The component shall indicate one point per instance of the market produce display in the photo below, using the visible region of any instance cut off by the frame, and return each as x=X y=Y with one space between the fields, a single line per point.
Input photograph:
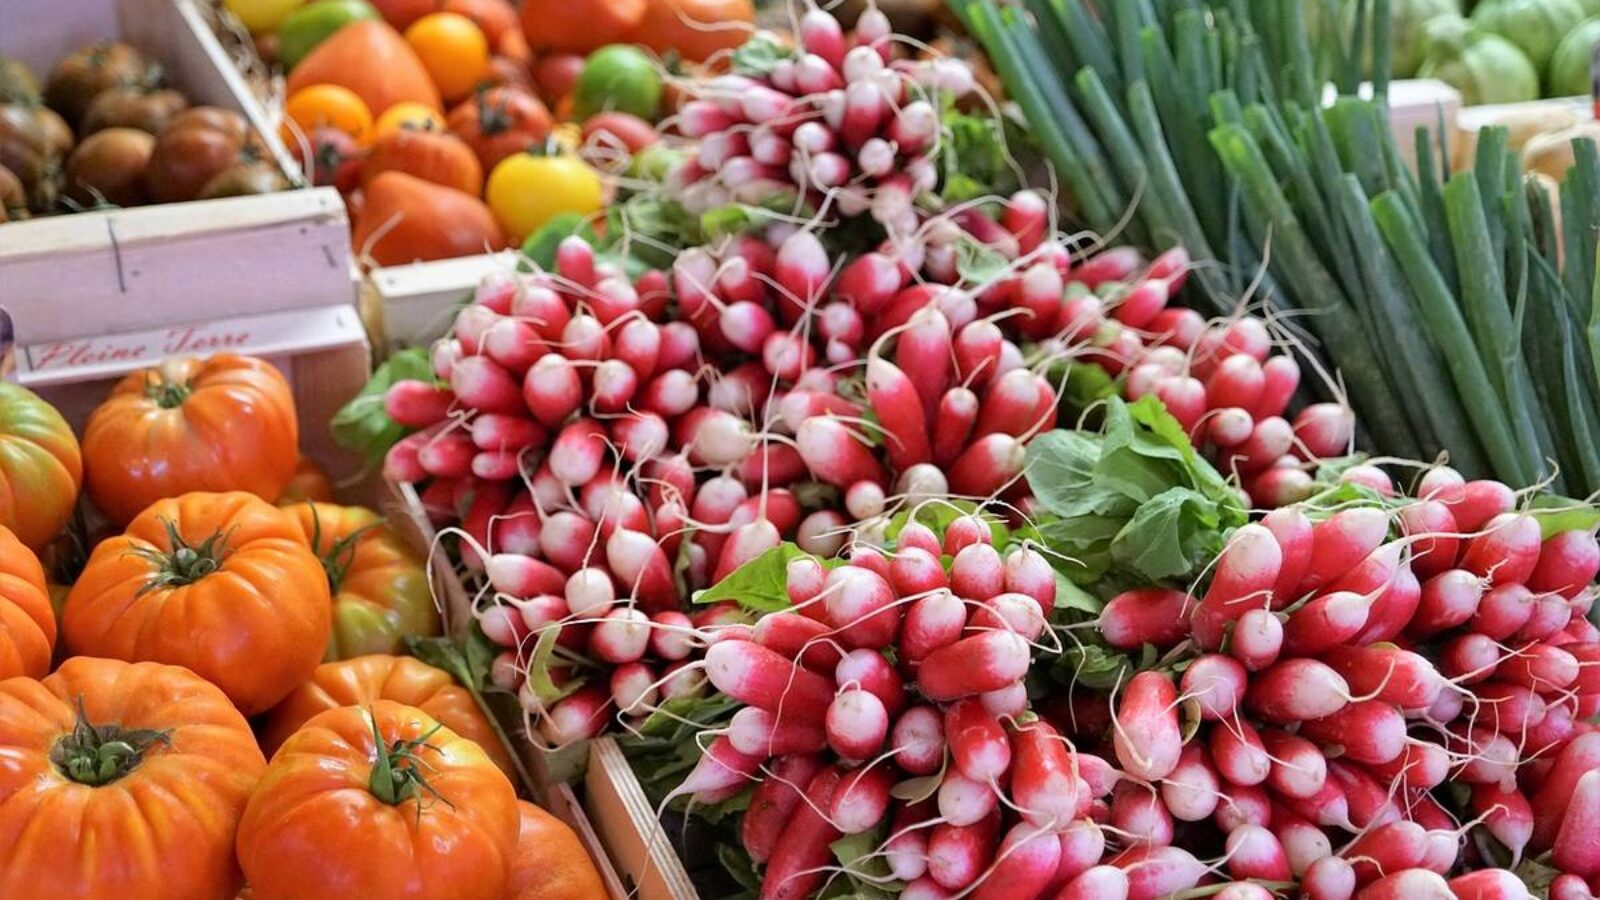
x=1445 y=301
x=132 y=767
x=104 y=130
x=457 y=97
x=885 y=522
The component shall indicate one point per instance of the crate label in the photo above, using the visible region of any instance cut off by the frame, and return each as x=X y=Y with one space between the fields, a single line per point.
x=83 y=359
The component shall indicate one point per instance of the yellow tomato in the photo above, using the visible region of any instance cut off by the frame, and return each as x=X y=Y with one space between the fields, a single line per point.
x=327 y=105
x=261 y=15
x=525 y=191
x=453 y=50
x=407 y=114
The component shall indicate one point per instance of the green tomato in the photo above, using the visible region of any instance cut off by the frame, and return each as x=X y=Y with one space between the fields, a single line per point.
x=1534 y=26
x=302 y=30
x=1484 y=67
x=620 y=77
x=1569 y=68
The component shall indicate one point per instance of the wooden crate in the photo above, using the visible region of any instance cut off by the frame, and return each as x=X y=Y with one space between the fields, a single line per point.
x=412 y=305
x=140 y=268
x=629 y=830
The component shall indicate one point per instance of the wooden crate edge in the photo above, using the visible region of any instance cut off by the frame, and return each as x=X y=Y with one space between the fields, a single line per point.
x=563 y=803
x=629 y=829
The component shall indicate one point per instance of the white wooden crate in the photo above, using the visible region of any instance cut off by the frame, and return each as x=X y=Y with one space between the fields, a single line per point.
x=412 y=305
x=149 y=266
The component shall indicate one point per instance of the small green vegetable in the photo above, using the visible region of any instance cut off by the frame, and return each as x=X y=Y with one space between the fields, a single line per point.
x=1535 y=26
x=1569 y=68
x=619 y=77
x=1483 y=66
x=302 y=30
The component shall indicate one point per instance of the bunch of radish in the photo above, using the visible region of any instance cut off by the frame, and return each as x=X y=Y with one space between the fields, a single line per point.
x=593 y=468
x=843 y=125
x=1375 y=701
x=1341 y=668
x=889 y=698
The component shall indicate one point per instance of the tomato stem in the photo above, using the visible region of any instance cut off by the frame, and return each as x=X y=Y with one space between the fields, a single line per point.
x=399 y=773
x=96 y=755
x=341 y=555
x=166 y=394
x=183 y=563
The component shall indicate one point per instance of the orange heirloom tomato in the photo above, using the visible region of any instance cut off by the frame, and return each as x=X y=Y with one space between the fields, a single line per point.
x=223 y=584
x=121 y=781
x=500 y=122
x=551 y=863
x=435 y=156
x=453 y=49
x=221 y=424
x=41 y=467
x=371 y=59
x=580 y=27
x=380 y=588
x=310 y=483
x=376 y=802
x=413 y=116
x=403 y=679
x=27 y=619
x=326 y=105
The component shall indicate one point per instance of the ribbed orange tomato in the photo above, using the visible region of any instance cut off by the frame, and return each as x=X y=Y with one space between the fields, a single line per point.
x=380 y=801
x=226 y=423
x=27 y=621
x=551 y=863
x=120 y=781
x=223 y=584
x=380 y=588
x=403 y=679
x=41 y=467
x=310 y=483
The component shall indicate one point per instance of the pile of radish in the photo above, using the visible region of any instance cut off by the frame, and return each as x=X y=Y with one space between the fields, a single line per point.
x=1373 y=701
x=611 y=445
x=1365 y=695
x=845 y=124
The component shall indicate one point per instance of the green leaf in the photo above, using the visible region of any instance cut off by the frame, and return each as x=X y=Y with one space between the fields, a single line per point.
x=543 y=685
x=1070 y=596
x=938 y=516
x=1140 y=462
x=866 y=870
x=540 y=247
x=973 y=157
x=1136 y=499
x=362 y=426
x=740 y=867
x=1092 y=666
x=760 y=585
x=1060 y=466
x=1086 y=385
x=916 y=790
x=978 y=263
x=1558 y=514
x=1167 y=537
x=760 y=55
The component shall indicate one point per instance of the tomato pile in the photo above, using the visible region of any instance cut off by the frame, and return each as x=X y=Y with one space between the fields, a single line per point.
x=434 y=117
x=182 y=603
x=105 y=131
